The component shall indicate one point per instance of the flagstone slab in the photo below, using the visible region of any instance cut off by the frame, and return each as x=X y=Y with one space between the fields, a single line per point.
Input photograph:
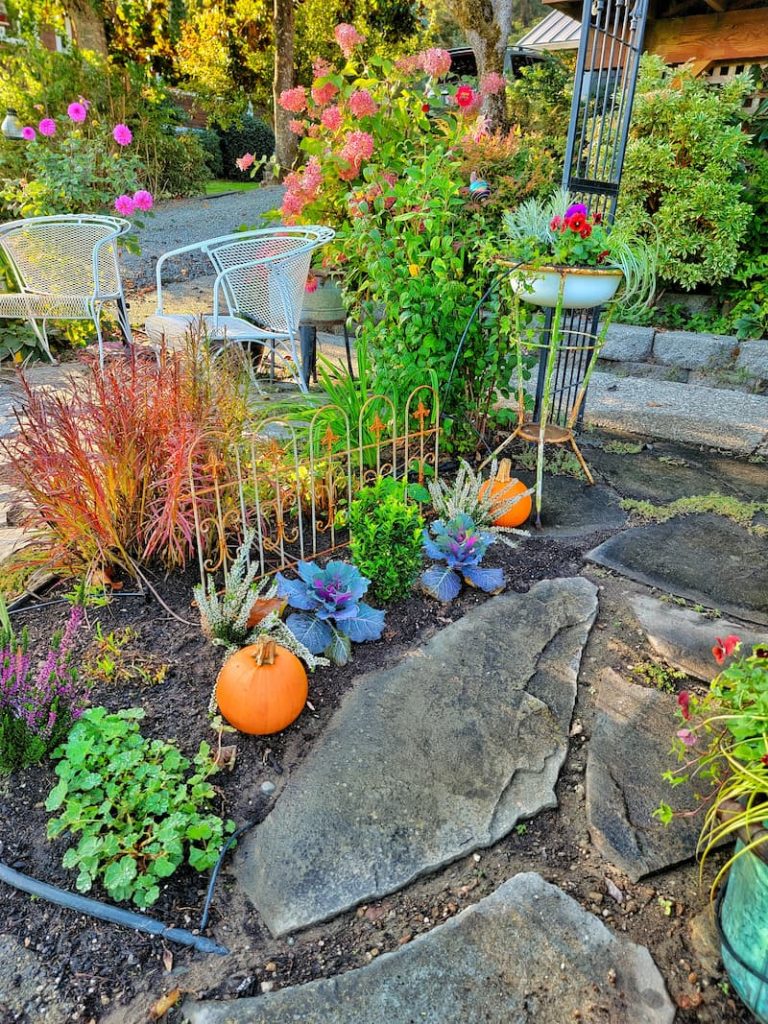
x=527 y=953
x=427 y=760
x=707 y=559
x=572 y=508
x=628 y=751
x=685 y=638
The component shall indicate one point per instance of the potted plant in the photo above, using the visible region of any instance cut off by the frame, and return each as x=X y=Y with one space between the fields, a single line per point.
x=723 y=743
x=565 y=256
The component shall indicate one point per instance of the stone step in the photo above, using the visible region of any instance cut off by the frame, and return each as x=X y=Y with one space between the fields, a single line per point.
x=716 y=417
x=527 y=952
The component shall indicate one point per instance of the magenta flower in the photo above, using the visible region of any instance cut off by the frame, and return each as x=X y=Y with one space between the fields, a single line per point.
x=362 y=104
x=331 y=118
x=28 y=133
x=435 y=62
x=77 y=112
x=122 y=135
x=47 y=127
x=348 y=38
x=143 y=200
x=688 y=738
x=245 y=161
x=576 y=210
x=125 y=205
x=294 y=100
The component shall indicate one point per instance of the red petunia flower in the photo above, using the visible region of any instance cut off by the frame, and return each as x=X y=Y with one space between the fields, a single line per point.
x=683 y=701
x=724 y=648
x=577 y=221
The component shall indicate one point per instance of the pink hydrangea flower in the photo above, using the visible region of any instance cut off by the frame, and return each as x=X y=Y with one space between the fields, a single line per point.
x=358 y=146
x=301 y=187
x=143 y=200
x=77 y=112
x=409 y=64
x=321 y=68
x=348 y=38
x=245 y=161
x=122 y=135
x=362 y=104
x=492 y=84
x=28 y=133
x=294 y=100
x=297 y=127
x=125 y=205
x=47 y=127
x=435 y=62
x=331 y=118
x=323 y=93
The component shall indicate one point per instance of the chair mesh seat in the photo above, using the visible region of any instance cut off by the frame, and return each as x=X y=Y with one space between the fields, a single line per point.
x=57 y=307
x=177 y=327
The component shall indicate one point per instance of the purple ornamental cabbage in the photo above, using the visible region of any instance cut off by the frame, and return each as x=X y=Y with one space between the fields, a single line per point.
x=330 y=614
x=461 y=546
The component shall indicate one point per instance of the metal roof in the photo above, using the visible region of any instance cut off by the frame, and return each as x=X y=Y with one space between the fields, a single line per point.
x=556 y=32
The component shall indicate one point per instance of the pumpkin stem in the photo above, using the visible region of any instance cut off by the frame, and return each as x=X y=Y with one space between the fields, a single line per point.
x=504 y=473
x=266 y=651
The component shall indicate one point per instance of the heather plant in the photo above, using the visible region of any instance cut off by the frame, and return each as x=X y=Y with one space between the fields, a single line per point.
x=39 y=702
x=468 y=494
x=138 y=807
x=385 y=538
x=329 y=614
x=462 y=547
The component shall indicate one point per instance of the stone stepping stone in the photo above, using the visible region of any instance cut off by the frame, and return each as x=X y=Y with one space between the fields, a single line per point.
x=426 y=761
x=527 y=952
x=628 y=751
x=573 y=508
x=706 y=559
x=685 y=638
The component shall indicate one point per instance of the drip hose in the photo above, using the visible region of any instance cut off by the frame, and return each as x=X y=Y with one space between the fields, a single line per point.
x=215 y=872
x=106 y=912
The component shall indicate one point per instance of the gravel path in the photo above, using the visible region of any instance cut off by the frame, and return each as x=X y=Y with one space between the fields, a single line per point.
x=184 y=221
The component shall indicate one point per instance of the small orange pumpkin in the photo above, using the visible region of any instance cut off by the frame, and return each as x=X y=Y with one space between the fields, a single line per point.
x=262 y=688
x=503 y=487
x=262 y=607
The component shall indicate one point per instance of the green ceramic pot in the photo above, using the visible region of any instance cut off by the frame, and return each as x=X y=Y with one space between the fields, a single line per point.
x=743 y=920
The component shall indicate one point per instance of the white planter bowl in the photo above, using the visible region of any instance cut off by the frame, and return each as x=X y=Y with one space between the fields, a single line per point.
x=584 y=287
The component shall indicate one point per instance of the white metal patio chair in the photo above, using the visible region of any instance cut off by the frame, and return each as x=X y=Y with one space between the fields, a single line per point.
x=65 y=268
x=260 y=280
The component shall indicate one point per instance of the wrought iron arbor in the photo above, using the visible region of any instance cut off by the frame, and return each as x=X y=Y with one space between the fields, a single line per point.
x=607 y=66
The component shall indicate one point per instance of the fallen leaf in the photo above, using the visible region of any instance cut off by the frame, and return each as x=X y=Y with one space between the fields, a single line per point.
x=167 y=959
x=164 y=1004
x=614 y=891
x=225 y=757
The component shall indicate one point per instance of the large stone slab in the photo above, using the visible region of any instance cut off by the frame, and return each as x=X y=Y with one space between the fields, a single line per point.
x=684 y=637
x=707 y=559
x=527 y=954
x=27 y=991
x=572 y=508
x=694 y=351
x=628 y=752
x=426 y=761
x=626 y=343
x=753 y=358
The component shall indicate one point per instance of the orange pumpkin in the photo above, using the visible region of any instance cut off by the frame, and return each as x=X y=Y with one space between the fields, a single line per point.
x=262 y=688
x=503 y=487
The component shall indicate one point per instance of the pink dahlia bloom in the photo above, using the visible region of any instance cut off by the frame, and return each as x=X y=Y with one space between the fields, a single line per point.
x=28 y=133
x=435 y=62
x=362 y=104
x=143 y=200
x=125 y=205
x=294 y=100
x=331 y=118
x=348 y=38
x=322 y=94
x=297 y=127
x=245 y=161
x=77 y=112
x=492 y=84
x=47 y=127
x=122 y=135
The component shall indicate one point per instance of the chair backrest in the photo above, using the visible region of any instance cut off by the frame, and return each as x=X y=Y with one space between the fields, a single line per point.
x=60 y=255
x=267 y=272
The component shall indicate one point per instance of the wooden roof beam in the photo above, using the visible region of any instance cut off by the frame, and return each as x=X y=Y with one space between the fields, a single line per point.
x=734 y=35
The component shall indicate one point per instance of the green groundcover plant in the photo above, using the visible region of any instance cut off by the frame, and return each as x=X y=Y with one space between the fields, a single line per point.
x=138 y=807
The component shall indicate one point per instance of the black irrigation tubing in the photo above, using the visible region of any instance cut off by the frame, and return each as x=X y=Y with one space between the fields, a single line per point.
x=106 y=912
x=217 y=867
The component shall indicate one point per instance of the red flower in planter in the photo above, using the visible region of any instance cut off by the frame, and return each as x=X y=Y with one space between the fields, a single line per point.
x=724 y=648
x=586 y=231
x=764 y=759
x=683 y=701
x=577 y=221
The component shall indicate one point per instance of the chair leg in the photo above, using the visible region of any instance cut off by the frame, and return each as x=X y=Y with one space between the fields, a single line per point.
x=42 y=336
x=97 y=322
x=124 y=322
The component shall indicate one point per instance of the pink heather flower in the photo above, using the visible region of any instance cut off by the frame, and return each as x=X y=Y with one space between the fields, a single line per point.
x=47 y=127
x=122 y=135
x=348 y=38
x=297 y=127
x=331 y=118
x=28 y=133
x=77 y=112
x=294 y=100
x=435 y=62
x=245 y=161
x=688 y=738
x=125 y=205
x=143 y=200
x=492 y=84
x=311 y=285
x=323 y=94
x=362 y=104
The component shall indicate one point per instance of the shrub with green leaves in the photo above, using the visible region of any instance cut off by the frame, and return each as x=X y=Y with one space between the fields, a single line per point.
x=250 y=135
x=385 y=533
x=139 y=807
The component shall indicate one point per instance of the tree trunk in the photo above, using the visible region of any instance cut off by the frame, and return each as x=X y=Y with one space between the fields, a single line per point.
x=487 y=24
x=286 y=143
x=88 y=30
